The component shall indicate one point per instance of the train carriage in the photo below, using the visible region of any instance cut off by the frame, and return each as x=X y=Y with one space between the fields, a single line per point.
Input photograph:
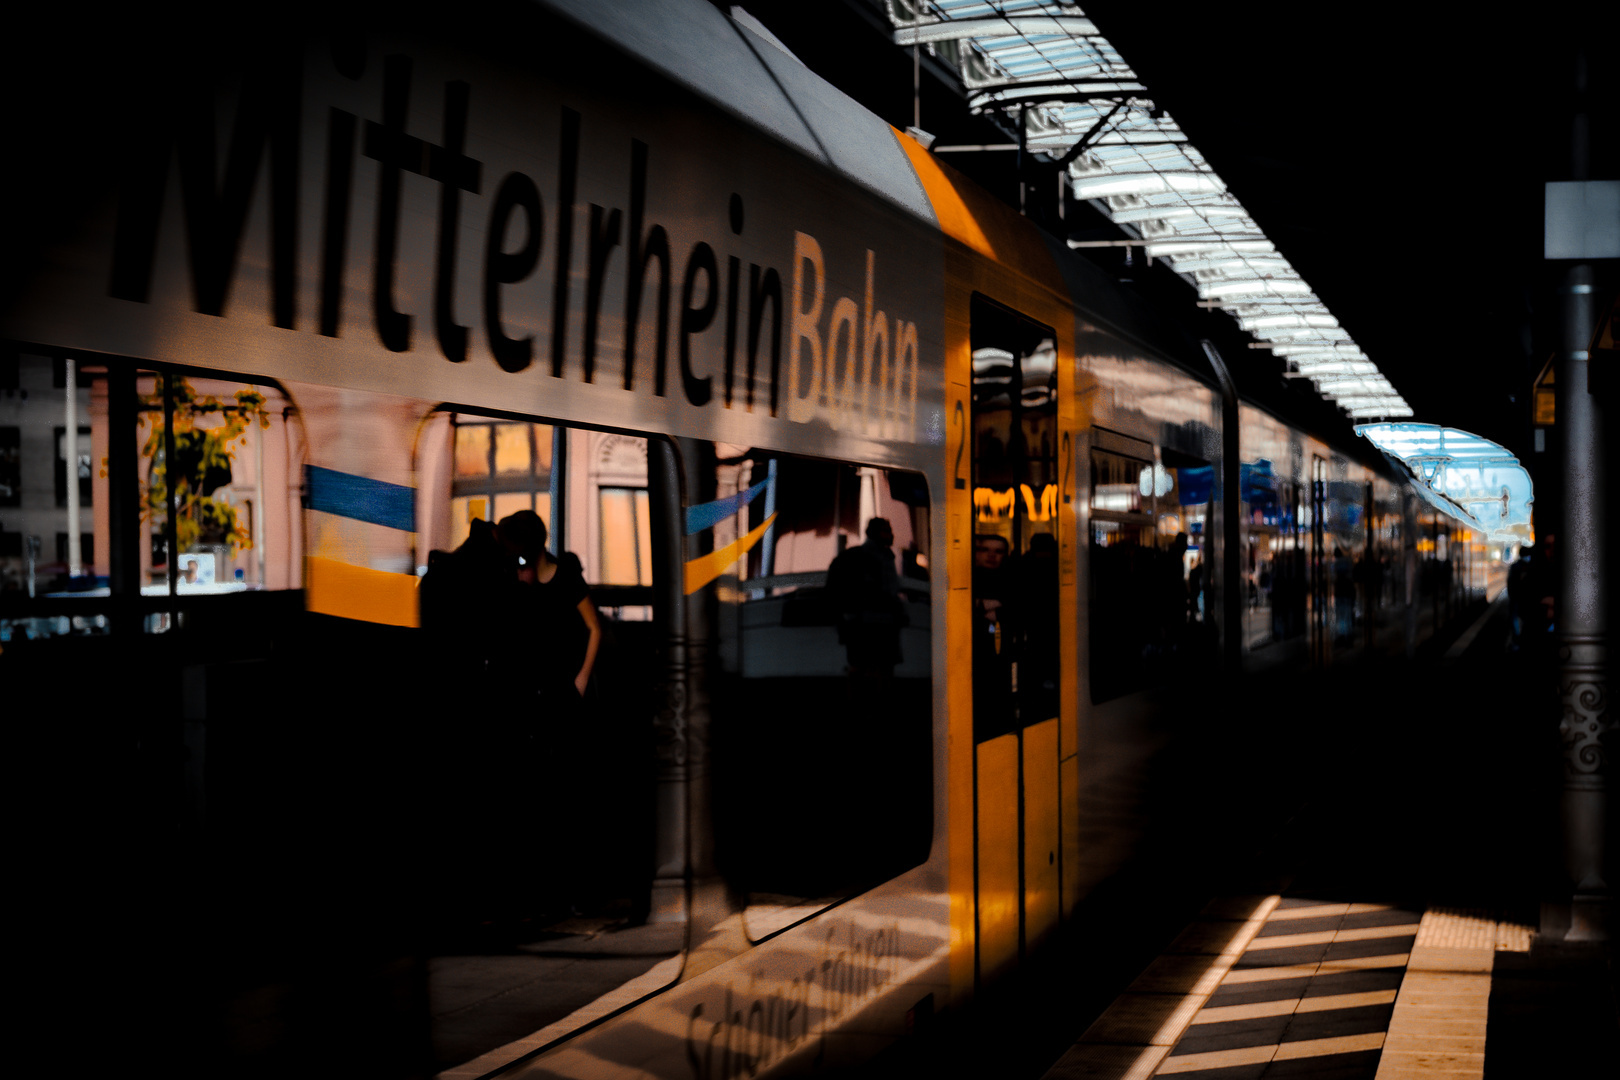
x=318 y=312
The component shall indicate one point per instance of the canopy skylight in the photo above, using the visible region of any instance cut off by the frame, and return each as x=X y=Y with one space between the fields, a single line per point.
x=1462 y=474
x=1043 y=63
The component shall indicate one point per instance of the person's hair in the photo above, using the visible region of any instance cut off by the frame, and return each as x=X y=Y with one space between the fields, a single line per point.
x=1006 y=545
x=524 y=531
x=882 y=523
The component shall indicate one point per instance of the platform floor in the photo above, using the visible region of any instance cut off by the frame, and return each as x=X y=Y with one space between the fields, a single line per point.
x=1353 y=881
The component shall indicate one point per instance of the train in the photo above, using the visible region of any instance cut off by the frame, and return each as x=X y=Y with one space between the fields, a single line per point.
x=308 y=300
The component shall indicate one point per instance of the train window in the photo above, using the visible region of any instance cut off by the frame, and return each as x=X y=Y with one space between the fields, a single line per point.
x=815 y=575
x=544 y=795
x=1149 y=518
x=235 y=484
x=1015 y=542
x=157 y=463
x=1275 y=584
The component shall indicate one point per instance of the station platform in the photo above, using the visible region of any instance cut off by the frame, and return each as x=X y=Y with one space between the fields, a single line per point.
x=1354 y=875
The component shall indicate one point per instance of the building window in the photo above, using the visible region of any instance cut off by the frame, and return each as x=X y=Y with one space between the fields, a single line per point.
x=501 y=467
x=82 y=469
x=10 y=466
x=626 y=536
x=87 y=549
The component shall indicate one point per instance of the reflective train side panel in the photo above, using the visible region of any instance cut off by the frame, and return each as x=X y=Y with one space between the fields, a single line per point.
x=633 y=268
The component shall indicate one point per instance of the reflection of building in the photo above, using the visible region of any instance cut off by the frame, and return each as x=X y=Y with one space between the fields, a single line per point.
x=610 y=527
x=238 y=507
x=34 y=471
x=482 y=468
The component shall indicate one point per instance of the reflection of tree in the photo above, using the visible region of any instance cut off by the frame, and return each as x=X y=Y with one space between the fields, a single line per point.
x=203 y=457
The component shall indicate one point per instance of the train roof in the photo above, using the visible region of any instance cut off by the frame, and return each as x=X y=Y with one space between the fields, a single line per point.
x=735 y=64
x=738 y=66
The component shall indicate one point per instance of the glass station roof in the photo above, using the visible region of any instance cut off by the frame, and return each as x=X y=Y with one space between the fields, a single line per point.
x=1462 y=474
x=1043 y=62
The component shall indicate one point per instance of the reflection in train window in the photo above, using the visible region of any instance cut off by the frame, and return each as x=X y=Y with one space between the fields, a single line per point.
x=1149 y=535
x=822 y=703
x=1015 y=507
x=625 y=538
x=226 y=506
x=500 y=468
x=544 y=796
x=1273 y=569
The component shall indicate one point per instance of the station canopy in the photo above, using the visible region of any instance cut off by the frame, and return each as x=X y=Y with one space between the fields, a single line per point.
x=1464 y=475
x=1042 y=64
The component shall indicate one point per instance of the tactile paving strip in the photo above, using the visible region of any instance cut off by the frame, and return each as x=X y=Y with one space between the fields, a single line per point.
x=1312 y=994
x=1269 y=987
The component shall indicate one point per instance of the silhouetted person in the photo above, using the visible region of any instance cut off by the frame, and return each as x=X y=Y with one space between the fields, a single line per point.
x=866 y=587
x=481 y=750
x=463 y=597
x=553 y=637
x=1037 y=573
x=1344 y=594
x=1173 y=595
x=994 y=637
x=1537 y=597
x=556 y=619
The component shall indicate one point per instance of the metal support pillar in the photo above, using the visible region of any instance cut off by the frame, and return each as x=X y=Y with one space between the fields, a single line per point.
x=670 y=861
x=1023 y=151
x=124 y=526
x=1231 y=570
x=1587 y=724
x=1409 y=571
x=70 y=440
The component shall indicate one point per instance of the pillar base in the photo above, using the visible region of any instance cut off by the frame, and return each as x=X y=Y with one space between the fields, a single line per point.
x=668 y=901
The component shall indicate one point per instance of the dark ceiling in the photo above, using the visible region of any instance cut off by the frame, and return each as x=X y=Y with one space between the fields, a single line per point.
x=1396 y=156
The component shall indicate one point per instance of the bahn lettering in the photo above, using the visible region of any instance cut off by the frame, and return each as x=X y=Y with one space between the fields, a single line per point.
x=742 y=1041
x=849 y=363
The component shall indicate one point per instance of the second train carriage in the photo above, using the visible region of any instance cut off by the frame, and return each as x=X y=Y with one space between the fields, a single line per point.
x=634 y=268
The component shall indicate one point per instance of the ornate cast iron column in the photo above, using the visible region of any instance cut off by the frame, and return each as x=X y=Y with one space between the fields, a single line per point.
x=1587 y=726
x=1588 y=721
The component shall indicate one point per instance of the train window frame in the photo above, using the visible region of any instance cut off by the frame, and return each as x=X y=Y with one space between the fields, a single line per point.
x=1015 y=472
x=750 y=769
x=626 y=713
x=562 y=528
x=114 y=595
x=1151 y=632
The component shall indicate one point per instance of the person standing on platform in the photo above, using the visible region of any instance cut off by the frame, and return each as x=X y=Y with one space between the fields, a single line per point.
x=554 y=634
x=555 y=612
x=866 y=587
x=995 y=639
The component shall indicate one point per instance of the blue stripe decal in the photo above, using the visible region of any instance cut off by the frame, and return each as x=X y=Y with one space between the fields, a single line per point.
x=392 y=506
x=707 y=515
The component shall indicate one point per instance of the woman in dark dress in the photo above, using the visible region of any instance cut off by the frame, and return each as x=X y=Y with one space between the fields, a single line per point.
x=554 y=637
x=556 y=619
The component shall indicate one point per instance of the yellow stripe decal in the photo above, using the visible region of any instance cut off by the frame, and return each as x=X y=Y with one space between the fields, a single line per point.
x=705 y=568
x=359 y=592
